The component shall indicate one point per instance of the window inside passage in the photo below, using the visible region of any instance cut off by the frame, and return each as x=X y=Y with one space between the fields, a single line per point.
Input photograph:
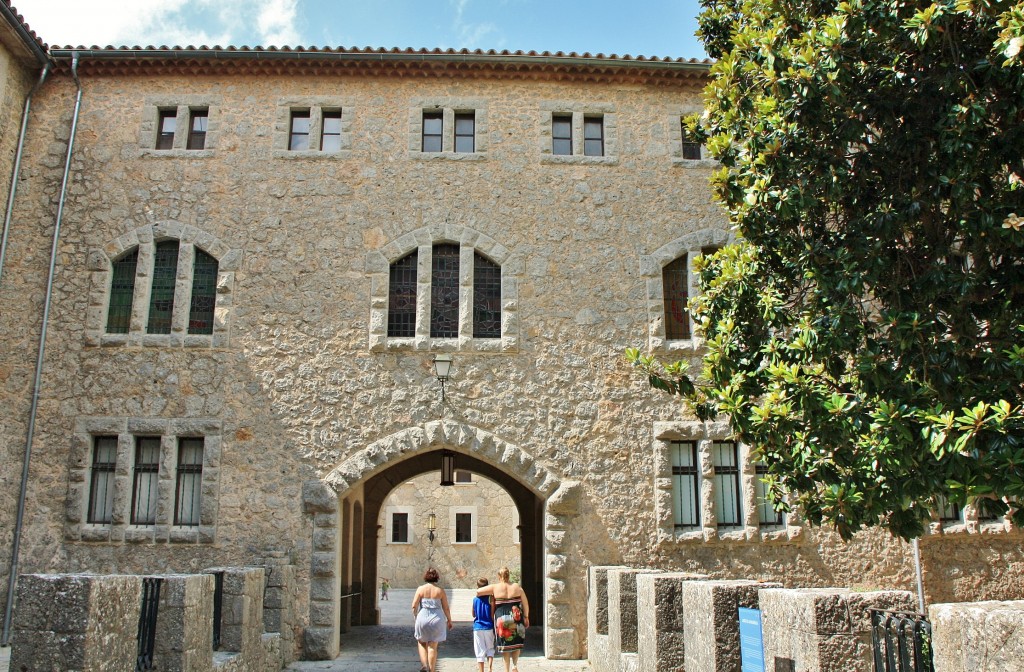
x=188 y=486
x=144 y=481
x=561 y=134
x=593 y=136
x=463 y=528
x=444 y=291
x=675 y=285
x=463 y=476
x=685 y=484
x=399 y=528
x=101 y=482
x=725 y=458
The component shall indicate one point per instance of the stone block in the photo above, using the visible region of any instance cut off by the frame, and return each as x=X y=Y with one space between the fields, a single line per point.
x=660 y=632
x=597 y=618
x=320 y=643
x=318 y=497
x=711 y=622
x=978 y=636
x=561 y=643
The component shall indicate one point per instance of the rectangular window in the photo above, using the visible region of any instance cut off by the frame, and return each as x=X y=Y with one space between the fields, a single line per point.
x=691 y=149
x=330 y=137
x=675 y=285
x=766 y=513
x=399 y=528
x=197 y=129
x=188 y=488
x=433 y=126
x=101 y=485
x=685 y=484
x=593 y=136
x=463 y=528
x=465 y=132
x=298 y=137
x=144 y=483
x=561 y=134
x=949 y=512
x=463 y=477
x=725 y=457
x=167 y=123
x=444 y=292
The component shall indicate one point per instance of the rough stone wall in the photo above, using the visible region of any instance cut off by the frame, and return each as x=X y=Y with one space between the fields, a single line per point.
x=978 y=636
x=293 y=375
x=495 y=544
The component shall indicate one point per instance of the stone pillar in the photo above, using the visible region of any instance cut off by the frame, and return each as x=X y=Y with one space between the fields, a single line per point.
x=711 y=622
x=184 y=624
x=320 y=638
x=597 y=619
x=562 y=638
x=622 y=617
x=660 y=633
x=279 y=603
x=823 y=630
x=241 y=623
x=76 y=622
x=977 y=636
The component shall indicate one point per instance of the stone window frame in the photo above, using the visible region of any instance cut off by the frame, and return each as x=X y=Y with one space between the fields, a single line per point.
x=316 y=105
x=969 y=523
x=704 y=434
x=474 y=518
x=378 y=264
x=674 y=117
x=120 y=530
x=579 y=111
x=448 y=107
x=410 y=511
x=471 y=481
x=100 y=266
x=651 y=267
x=184 y=107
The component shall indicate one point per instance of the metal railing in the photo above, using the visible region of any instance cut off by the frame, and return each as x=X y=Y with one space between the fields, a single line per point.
x=901 y=641
x=218 y=606
x=147 y=623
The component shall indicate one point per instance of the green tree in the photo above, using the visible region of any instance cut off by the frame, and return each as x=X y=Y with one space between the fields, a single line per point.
x=865 y=334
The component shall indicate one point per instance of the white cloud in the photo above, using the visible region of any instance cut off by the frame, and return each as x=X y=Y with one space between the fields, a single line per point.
x=162 y=22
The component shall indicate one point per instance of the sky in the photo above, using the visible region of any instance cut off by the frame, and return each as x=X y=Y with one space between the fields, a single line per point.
x=643 y=28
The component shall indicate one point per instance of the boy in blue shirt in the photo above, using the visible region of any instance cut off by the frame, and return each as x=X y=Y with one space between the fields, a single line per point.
x=483 y=629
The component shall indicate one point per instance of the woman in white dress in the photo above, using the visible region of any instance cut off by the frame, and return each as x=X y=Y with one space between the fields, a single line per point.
x=433 y=619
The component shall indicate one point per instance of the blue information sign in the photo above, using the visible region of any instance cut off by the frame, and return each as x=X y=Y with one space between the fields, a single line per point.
x=751 y=642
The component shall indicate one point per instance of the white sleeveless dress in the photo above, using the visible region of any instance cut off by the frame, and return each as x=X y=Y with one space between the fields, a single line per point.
x=431 y=625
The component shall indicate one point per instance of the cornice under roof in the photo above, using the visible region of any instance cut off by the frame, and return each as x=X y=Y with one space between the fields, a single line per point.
x=25 y=36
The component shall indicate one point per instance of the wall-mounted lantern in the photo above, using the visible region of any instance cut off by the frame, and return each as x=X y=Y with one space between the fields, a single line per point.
x=431 y=526
x=442 y=370
x=447 y=467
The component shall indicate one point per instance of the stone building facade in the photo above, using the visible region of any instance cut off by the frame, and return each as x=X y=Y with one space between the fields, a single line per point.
x=260 y=252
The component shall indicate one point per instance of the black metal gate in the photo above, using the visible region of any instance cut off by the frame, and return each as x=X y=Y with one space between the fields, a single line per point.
x=147 y=622
x=902 y=641
x=218 y=606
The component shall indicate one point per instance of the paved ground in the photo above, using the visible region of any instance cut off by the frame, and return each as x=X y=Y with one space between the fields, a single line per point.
x=390 y=647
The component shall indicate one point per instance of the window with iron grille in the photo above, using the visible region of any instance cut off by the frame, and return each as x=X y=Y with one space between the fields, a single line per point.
x=122 y=293
x=144 y=482
x=725 y=458
x=486 y=297
x=198 y=122
x=675 y=283
x=167 y=122
x=949 y=512
x=561 y=134
x=188 y=486
x=204 y=293
x=766 y=513
x=161 y=299
x=444 y=291
x=593 y=136
x=330 y=136
x=685 y=484
x=691 y=148
x=463 y=528
x=433 y=131
x=399 y=528
x=101 y=483
x=298 y=136
x=465 y=132
x=402 y=297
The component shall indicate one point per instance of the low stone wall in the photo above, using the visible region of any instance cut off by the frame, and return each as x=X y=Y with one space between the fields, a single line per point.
x=661 y=643
x=978 y=636
x=90 y=623
x=710 y=622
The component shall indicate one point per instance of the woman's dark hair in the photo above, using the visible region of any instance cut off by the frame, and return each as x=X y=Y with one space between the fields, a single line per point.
x=431 y=575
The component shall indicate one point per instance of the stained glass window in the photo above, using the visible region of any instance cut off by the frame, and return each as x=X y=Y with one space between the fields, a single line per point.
x=204 y=294
x=122 y=293
x=675 y=283
x=402 y=297
x=161 y=300
x=444 y=292
x=486 y=298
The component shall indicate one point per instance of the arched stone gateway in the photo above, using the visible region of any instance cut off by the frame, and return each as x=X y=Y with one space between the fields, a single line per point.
x=344 y=561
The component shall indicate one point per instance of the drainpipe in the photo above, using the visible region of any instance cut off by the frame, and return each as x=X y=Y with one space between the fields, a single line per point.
x=13 y=578
x=17 y=166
